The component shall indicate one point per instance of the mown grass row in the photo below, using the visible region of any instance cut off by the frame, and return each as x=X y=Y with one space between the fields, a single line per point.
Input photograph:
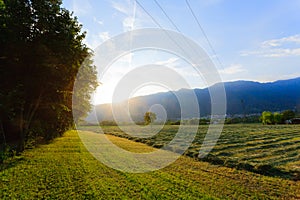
x=269 y=150
x=64 y=169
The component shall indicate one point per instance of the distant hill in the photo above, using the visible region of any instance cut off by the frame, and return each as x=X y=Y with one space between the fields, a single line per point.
x=243 y=97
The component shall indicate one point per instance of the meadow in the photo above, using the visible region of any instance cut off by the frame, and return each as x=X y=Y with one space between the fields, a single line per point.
x=64 y=169
x=272 y=150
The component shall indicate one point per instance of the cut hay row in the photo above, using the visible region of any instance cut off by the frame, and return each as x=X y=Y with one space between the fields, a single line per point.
x=254 y=146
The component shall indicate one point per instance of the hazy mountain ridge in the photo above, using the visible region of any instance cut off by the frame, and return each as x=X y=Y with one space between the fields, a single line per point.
x=243 y=97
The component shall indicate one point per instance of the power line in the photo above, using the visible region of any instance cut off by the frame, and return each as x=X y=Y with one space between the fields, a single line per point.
x=167 y=16
x=203 y=32
x=158 y=24
x=172 y=22
x=198 y=23
x=153 y=19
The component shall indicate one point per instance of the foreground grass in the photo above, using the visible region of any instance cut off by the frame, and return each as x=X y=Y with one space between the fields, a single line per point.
x=64 y=169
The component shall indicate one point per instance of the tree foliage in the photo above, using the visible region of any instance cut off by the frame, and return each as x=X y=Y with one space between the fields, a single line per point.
x=277 y=118
x=149 y=118
x=267 y=117
x=41 y=51
x=288 y=114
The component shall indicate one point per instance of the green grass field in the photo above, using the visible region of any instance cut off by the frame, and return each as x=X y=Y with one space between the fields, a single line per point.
x=269 y=150
x=64 y=169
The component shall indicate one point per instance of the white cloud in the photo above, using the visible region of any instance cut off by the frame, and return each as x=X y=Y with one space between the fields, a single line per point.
x=170 y=61
x=282 y=47
x=131 y=16
x=104 y=36
x=278 y=52
x=283 y=52
x=271 y=78
x=100 y=22
x=120 y=7
x=232 y=69
x=127 y=8
x=128 y=23
x=281 y=41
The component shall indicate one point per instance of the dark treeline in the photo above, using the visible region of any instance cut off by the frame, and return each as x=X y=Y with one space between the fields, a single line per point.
x=193 y=121
x=41 y=51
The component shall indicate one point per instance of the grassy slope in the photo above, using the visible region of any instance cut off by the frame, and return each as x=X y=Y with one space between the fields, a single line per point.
x=64 y=169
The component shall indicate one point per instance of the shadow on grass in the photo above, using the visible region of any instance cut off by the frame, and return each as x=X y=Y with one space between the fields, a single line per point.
x=11 y=162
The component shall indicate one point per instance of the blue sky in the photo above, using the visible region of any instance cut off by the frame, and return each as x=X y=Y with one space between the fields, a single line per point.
x=254 y=40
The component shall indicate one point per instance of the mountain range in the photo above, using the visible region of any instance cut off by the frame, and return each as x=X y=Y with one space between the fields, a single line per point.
x=243 y=97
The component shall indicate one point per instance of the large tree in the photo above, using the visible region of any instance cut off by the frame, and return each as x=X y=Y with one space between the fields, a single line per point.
x=288 y=114
x=41 y=51
x=149 y=118
x=267 y=117
x=277 y=118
